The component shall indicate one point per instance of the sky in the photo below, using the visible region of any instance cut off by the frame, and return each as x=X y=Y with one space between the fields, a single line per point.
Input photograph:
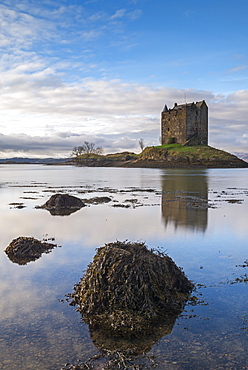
x=102 y=71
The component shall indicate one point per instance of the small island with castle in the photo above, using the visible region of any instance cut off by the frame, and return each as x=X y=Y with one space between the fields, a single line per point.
x=184 y=144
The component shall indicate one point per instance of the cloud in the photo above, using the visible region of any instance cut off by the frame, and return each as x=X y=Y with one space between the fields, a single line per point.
x=118 y=14
x=60 y=144
x=22 y=29
x=91 y=35
x=121 y=13
x=50 y=102
x=136 y=14
x=237 y=68
x=41 y=113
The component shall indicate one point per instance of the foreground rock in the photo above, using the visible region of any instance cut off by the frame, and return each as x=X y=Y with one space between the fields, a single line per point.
x=25 y=249
x=128 y=289
x=63 y=204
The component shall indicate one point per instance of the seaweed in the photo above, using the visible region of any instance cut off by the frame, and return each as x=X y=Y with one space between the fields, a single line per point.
x=127 y=288
x=26 y=249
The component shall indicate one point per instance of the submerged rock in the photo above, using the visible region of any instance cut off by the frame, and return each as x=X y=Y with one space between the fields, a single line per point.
x=25 y=249
x=97 y=200
x=63 y=204
x=128 y=289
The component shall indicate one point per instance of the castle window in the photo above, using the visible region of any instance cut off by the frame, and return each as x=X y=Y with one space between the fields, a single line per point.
x=168 y=129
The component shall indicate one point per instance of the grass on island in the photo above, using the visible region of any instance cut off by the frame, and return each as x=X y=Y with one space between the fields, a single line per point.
x=201 y=151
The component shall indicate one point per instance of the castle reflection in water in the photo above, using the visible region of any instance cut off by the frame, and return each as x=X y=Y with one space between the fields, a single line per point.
x=185 y=199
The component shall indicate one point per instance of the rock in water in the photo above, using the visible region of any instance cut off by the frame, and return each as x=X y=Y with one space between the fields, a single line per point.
x=128 y=287
x=25 y=249
x=63 y=204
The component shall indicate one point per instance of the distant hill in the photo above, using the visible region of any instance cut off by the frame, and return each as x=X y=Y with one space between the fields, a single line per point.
x=243 y=156
x=18 y=160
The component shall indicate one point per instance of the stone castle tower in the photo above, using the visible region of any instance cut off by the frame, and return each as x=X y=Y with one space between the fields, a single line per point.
x=185 y=124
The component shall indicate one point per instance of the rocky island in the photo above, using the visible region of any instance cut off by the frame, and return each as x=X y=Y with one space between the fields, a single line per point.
x=164 y=156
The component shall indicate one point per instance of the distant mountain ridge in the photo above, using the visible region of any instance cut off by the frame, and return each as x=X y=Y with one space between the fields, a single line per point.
x=243 y=156
x=19 y=160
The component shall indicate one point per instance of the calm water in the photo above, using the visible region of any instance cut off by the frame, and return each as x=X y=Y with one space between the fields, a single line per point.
x=199 y=217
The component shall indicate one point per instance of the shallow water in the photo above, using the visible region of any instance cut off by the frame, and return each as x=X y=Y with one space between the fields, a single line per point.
x=199 y=217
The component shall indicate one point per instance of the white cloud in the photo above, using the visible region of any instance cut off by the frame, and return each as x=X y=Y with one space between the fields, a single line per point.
x=35 y=102
x=60 y=144
x=44 y=94
x=237 y=68
x=118 y=14
x=91 y=35
x=136 y=14
x=22 y=29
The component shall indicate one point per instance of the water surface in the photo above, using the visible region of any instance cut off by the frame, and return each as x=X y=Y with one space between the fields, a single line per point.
x=199 y=217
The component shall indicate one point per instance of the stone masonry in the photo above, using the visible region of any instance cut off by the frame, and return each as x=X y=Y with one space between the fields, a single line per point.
x=185 y=124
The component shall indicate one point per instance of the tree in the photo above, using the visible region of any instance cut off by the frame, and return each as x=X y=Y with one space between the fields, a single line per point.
x=86 y=148
x=141 y=144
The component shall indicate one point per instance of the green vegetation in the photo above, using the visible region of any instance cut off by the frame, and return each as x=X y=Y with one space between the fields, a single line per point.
x=200 y=151
x=168 y=146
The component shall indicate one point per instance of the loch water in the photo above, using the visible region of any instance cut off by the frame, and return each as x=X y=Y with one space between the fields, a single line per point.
x=198 y=217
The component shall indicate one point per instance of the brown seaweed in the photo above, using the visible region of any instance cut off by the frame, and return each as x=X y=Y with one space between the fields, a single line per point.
x=26 y=249
x=127 y=288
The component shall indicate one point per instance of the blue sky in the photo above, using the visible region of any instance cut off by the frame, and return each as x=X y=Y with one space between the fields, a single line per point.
x=102 y=71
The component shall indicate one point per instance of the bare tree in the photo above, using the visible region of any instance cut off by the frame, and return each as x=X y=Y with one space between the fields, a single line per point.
x=86 y=148
x=141 y=144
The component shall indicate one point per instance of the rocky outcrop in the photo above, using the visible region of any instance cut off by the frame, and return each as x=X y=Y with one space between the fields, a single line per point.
x=26 y=249
x=189 y=157
x=63 y=204
x=128 y=288
x=172 y=156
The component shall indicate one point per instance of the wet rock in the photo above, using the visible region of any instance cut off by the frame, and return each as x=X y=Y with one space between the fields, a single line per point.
x=128 y=289
x=97 y=200
x=17 y=205
x=63 y=204
x=25 y=249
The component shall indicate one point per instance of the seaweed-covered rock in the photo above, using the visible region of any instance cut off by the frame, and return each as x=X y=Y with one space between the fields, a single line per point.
x=128 y=287
x=63 y=204
x=97 y=200
x=25 y=249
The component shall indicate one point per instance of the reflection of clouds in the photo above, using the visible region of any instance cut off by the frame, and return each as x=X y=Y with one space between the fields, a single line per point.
x=33 y=325
x=19 y=297
x=230 y=219
x=91 y=226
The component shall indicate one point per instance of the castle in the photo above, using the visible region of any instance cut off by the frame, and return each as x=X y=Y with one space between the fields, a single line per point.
x=185 y=124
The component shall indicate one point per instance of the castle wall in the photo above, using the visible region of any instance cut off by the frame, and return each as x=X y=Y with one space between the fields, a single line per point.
x=192 y=121
x=184 y=122
x=203 y=131
x=173 y=125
